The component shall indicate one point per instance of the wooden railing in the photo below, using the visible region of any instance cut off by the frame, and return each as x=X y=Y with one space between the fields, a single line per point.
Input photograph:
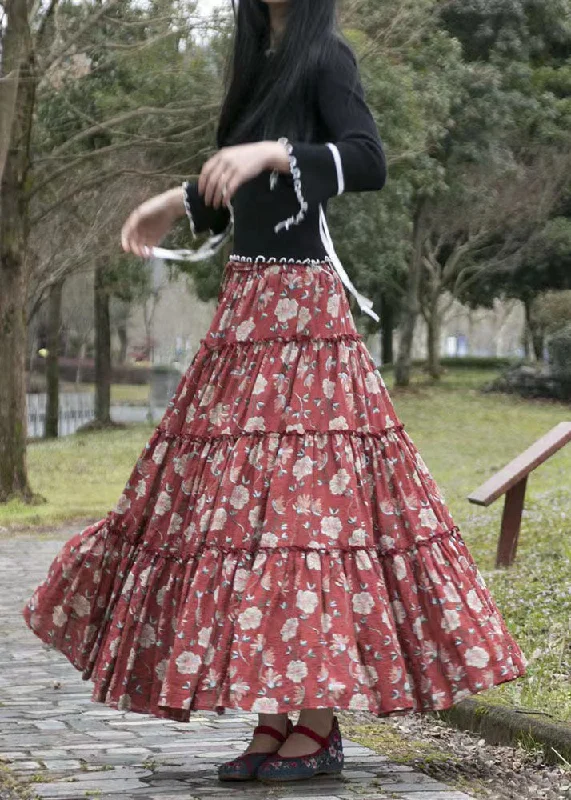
x=512 y=481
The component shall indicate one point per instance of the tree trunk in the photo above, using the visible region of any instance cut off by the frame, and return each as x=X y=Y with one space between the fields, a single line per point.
x=52 y=361
x=387 y=327
x=434 y=328
x=82 y=352
x=535 y=335
x=13 y=415
x=527 y=329
x=411 y=306
x=102 y=348
x=16 y=55
x=538 y=341
x=123 y=341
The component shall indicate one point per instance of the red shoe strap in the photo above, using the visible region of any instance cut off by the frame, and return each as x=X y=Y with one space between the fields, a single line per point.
x=322 y=740
x=270 y=731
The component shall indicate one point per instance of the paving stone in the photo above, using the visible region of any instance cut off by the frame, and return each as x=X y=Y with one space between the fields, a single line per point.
x=37 y=740
x=129 y=751
x=322 y=797
x=169 y=786
x=142 y=723
x=110 y=734
x=390 y=767
x=50 y=725
x=87 y=747
x=384 y=777
x=26 y=766
x=62 y=764
x=115 y=774
x=448 y=795
x=72 y=791
x=419 y=788
x=104 y=713
x=168 y=797
x=317 y=787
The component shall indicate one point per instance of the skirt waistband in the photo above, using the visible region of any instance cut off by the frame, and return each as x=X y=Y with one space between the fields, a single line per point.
x=246 y=263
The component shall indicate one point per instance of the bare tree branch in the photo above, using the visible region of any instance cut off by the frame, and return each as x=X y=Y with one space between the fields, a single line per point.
x=39 y=38
x=101 y=178
x=121 y=118
x=92 y=20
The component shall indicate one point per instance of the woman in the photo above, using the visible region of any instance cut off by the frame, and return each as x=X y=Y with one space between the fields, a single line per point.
x=280 y=545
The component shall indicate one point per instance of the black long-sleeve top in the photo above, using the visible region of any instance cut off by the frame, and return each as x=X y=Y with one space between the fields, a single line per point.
x=283 y=216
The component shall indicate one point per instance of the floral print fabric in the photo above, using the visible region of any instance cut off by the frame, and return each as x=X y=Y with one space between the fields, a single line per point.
x=280 y=542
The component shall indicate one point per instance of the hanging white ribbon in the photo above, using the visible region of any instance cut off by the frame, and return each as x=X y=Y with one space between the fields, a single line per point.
x=365 y=304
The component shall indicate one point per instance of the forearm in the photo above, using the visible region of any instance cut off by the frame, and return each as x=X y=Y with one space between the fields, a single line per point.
x=277 y=157
x=174 y=201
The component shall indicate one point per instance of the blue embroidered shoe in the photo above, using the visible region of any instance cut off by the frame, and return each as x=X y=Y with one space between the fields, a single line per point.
x=245 y=767
x=328 y=760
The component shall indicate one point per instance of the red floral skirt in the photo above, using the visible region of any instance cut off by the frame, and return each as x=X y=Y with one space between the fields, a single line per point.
x=280 y=542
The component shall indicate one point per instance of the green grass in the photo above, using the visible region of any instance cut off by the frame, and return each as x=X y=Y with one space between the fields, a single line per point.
x=464 y=437
x=81 y=476
x=121 y=393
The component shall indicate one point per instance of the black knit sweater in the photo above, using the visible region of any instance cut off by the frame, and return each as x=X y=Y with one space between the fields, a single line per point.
x=279 y=216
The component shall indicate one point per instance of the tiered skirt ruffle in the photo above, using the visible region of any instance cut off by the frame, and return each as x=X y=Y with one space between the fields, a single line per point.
x=280 y=542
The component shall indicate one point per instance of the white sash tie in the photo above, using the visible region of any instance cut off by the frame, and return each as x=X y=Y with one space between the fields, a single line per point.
x=365 y=304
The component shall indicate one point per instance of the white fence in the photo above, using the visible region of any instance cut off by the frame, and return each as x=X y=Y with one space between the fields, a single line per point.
x=75 y=409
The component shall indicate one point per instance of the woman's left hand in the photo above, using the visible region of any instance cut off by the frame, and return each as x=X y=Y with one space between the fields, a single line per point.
x=232 y=166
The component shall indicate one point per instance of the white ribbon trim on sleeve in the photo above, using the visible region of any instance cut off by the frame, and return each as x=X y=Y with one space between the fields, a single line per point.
x=339 y=166
x=296 y=175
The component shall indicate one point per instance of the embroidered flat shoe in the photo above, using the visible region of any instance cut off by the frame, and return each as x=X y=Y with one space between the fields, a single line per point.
x=328 y=760
x=245 y=767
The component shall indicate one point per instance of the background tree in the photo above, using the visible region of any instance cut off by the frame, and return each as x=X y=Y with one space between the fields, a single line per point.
x=63 y=157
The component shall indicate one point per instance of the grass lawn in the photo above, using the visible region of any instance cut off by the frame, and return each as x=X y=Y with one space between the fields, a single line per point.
x=121 y=393
x=81 y=476
x=464 y=437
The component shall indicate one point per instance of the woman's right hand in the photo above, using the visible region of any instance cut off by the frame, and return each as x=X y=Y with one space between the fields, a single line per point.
x=150 y=222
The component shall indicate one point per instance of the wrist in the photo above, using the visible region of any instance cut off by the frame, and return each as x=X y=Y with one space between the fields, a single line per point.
x=174 y=202
x=277 y=157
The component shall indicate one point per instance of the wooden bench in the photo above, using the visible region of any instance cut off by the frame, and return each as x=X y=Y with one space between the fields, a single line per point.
x=511 y=481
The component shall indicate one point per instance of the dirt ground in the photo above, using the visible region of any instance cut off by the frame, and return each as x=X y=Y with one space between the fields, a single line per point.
x=461 y=759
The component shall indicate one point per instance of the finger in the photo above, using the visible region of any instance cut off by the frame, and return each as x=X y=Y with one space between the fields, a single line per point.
x=207 y=168
x=134 y=246
x=126 y=233
x=213 y=181
x=131 y=244
x=142 y=250
x=130 y=238
x=132 y=232
x=134 y=240
x=233 y=184
x=222 y=187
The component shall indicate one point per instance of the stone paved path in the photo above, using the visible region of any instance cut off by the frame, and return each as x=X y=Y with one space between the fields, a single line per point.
x=73 y=749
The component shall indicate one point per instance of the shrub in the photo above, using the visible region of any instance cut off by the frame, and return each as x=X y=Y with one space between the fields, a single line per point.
x=559 y=348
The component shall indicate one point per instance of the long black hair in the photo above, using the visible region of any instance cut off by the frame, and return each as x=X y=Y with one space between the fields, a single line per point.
x=268 y=97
